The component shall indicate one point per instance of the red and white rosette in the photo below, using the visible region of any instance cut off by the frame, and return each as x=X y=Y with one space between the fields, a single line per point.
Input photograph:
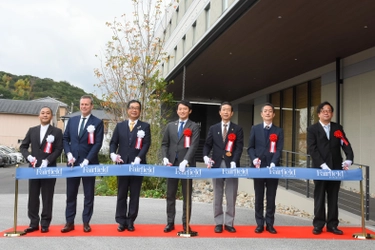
x=90 y=137
x=187 y=137
x=48 y=147
x=140 y=135
x=338 y=134
x=273 y=139
x=230 y=143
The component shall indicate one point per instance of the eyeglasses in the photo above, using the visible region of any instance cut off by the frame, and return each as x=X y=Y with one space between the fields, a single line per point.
x=134 y=108
x=326 y=111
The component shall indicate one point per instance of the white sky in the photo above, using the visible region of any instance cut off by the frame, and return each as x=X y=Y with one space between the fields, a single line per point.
x=57 y=39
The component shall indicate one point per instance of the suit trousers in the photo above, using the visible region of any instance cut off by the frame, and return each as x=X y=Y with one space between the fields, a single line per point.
x=332 y=189
x=260 y=184
x=46 y=187
x=72 y=185
x=230 y=185
x=126 y=184
x=172 y=187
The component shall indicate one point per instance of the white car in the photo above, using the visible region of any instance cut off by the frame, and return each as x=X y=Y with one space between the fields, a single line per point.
x=12 y=152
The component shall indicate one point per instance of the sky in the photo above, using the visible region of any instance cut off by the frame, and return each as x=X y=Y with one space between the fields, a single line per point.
x=57 y=39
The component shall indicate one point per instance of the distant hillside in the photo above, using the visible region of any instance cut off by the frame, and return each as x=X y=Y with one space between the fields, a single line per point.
x=31 y=87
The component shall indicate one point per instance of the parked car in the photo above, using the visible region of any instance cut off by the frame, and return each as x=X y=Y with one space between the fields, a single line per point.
x=6 y=159
x=2 y=163
x=13 y=157
x=12 y=151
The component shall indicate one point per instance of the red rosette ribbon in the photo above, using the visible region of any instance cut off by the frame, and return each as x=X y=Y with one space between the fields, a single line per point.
x=338 y=134
x=187 y=137
x=48 y=148
x=230 y=143
x=140 y=135
x=273 y=140
x=90 y=137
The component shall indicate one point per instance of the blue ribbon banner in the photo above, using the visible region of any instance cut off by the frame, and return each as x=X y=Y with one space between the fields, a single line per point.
x=190 y=173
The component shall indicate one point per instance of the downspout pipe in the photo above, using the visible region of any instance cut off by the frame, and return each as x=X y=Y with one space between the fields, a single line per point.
x=339 y=81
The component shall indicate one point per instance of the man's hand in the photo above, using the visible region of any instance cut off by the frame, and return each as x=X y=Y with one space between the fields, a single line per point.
x=71 y=159
x=208 y=161
x=232 y=164
x=325 y=167
x=137 y=161
x=116 y=158
x=272 y=165
x=44 y=163
x=182 y=166
x=256 y=162
x=346 y=164
x=166 y=162
x=84 y=163
x=32 y=160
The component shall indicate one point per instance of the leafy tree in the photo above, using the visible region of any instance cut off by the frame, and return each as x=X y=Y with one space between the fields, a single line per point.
x=130 y=70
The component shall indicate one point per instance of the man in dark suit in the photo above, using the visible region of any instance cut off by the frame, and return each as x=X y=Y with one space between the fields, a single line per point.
x=129 y=144
x=46 y=146
x=325 y=139
x=265 y=146
x=225 y=139
x=178 y=151
x=83 y=138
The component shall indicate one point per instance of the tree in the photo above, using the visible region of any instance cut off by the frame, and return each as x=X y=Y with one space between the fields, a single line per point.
x=130 y=69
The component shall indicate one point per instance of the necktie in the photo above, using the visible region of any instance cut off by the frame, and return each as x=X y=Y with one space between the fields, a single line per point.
x=326 y=129
x=266 y=132
x=131 y=126
x=179 y=133
x=225 y=132
x=81 y=128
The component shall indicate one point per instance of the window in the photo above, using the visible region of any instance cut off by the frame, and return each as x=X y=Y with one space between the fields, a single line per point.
x=207 y=17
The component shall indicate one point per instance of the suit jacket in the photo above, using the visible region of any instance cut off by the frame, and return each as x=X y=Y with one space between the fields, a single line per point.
x=79 y=146
x=171 y=144
x=327 y=151
x=259 y=146
x=37 y=149
x=214 y=142
x=123 y=142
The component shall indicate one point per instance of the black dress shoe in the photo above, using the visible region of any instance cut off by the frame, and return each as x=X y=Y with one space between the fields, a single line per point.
x=31 y=229
x=259 y=229
x=67 y=228
x=121 y=228
x=131 y=227
x=271 y=229
x=169 y=227
x=317 y=230
x=219 y=228
x=44 y=230
x=86 y=227
x=335 y=230
x=230 y=229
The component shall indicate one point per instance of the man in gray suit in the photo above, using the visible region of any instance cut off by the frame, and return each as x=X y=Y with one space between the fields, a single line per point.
x=225 y=139
x=46 y=145
x=180 y=142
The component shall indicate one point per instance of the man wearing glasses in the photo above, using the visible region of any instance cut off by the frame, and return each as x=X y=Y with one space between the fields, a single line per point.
x=129 y=144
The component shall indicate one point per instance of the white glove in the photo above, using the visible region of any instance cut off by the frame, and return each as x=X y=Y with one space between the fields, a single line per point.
x=256 y=162
x=208 y=161
x=84 y=163
x=232 y=164
x=166 y=162
x=325 y=167
x=71 y=159
x=31 y=159
x=137 y=161
x=346 y=164
x=272 y=165
x=116 y=158
x=182 y=166
x=44 y=164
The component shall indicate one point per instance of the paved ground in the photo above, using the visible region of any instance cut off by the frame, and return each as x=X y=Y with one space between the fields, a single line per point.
x=151 y=211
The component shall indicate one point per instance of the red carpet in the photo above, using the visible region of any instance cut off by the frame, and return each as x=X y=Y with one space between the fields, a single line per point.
x=204 y=231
